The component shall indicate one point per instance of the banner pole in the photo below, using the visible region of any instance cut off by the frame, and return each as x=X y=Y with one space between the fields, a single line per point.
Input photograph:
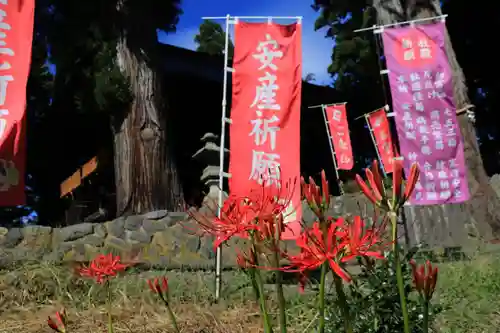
x=329 y=135
x=388 y=96
x=375 y=144
x=326 y=105
x=218 y=255
x=419 y=20
x=385 y=107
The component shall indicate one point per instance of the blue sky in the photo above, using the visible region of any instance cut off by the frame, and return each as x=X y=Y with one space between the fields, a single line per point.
x=317 y=50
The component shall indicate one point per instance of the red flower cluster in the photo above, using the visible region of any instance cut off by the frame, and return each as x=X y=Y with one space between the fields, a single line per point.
x=424 y=279
x=317 y=199
x=339 y=243
x=376 y=192
x=103 y=267
x=159 y=286
x=59 y=324
x=260 y=213
x=246 y=260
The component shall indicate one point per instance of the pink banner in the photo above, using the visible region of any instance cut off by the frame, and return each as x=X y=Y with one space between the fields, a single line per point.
x=425 y=114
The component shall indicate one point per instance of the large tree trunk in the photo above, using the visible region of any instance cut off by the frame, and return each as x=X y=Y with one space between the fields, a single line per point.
x=145 y=170
x=484 y=205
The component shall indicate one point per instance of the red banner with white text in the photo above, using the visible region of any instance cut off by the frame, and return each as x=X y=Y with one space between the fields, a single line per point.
x=379 y=126
x=16 y=33
x=265 y=115
x=336 y=116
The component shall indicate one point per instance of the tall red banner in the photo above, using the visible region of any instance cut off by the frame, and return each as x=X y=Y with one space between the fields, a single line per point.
x=16 y=33
x=336 y=116
x=379 y=126
x=265 y=114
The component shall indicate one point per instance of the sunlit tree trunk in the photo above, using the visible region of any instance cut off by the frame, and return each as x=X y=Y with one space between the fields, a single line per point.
x=484 y=205
x=145 y=171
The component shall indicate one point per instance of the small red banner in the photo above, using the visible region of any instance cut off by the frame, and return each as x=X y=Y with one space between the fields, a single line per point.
x=379 y=125
x=336 y=116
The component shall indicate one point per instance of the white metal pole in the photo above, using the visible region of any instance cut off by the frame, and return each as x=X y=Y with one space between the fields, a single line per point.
x=325 y=105
x=420 y=20
x=253 y=17
x=375 y=144
x=218 y=255
x=329 y=135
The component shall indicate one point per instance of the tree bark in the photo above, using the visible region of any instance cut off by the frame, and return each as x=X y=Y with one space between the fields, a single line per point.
x=145 y=170
x=484 y=205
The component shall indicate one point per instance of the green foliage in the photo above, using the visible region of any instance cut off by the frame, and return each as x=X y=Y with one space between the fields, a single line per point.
x=353 y=56
x=83 y=39
x=111 y=88
x=211 y=39
x=374 y=299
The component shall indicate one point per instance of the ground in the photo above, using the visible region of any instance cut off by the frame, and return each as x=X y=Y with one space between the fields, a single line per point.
x=468 y=290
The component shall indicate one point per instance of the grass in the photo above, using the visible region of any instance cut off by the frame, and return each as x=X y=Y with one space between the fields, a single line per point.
x=470 y=293
x=468 y=290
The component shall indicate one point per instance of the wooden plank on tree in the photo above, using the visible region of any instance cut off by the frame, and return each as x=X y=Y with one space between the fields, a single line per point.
x=89 y=167
x=76 y=179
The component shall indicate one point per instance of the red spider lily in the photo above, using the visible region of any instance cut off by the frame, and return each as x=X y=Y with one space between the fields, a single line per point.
x=316 y=249
x=59 y=324
x=103 y=267
x=412 y=182
x=245 y=260
x=267 y=202
x=376 y=192
x=271 y=228
x=424 y=279
x=341 y=243
x=236 y=218
x=263 y=211
x=358 y=242
x=270 y=207
x=303 y=279
x=318 y=201
x=159 y=286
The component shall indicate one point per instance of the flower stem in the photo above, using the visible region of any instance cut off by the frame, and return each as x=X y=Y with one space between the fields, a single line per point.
x=255 y=288
x=108 y=300
x=343 y=303
x=262 y=300
x=268 y=328
x=426 y=316
x=399 y=273
x=171 y=316
x=322 y=283
x=281 y=296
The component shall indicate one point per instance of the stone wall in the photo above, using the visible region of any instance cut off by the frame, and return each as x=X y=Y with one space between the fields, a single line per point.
x=158 y=238
x=168 y=239
x=161 y=238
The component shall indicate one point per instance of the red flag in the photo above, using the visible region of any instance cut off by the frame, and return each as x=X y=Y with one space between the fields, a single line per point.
x=265 y=114
x=15 y=57
x=336 y=116
x=379 y=125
